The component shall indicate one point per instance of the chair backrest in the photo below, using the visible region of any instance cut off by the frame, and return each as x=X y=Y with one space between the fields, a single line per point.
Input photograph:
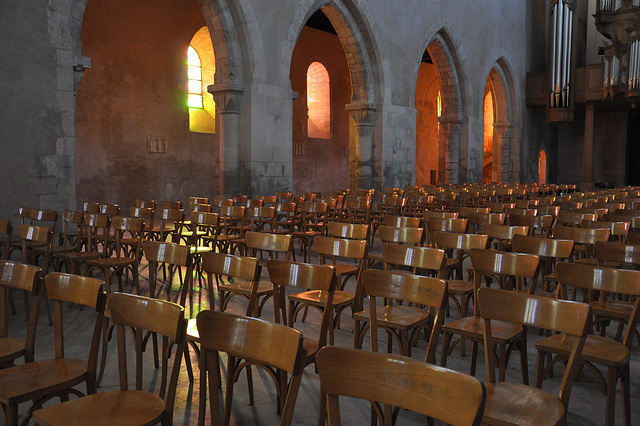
x=38 y=234
x=466 y=211
x=401 y=235
x=352 y=231
x=90 y=207
x=543 y=247
x=261 y=343
x=271 y=243
x=618 y=229
x=543 y=312
x=397 y=285
x=198 y=200
x=110 y=209
x=605 y=280
x=86 y=291
x=503 y=266
x=447 y=224
x=611 y=251
x=146 y=204
x=542 y=222
x=500 y=207
x=131 y=227
x=71 y=223
x=18 y=276
x=401 y=221
x=398 y=381
x=478 y=220
x=150 y=315
x=171 y=205
x=428 y=260
x=521 y=212
x=586 y=236
x=439 y=214
x=283 y=274
x=166 y=252
x=197 y=208
x=460 y=241
x=236 y=267
x=94 y=224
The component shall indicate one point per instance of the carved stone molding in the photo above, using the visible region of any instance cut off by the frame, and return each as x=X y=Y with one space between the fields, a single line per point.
x=364 y=114
x=502 y=128
x=227 y=97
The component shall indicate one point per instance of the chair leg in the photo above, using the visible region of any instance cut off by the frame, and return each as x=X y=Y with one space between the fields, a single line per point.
x=626 y=402
x=612 y=378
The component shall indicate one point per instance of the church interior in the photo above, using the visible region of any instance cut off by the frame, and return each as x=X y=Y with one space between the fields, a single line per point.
x=206 y=122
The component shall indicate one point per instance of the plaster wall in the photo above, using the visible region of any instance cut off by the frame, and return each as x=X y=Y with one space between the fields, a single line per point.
x=136 y=90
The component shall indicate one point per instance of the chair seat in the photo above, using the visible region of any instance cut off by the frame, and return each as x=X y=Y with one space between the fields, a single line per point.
x=244 y=287
x=130 y=407
x=612 y=309
x=510 y=403
x=25 y=381
x=460 y=287
x=11 y=348
x=471 y=327
x=319 y=298
x=111 y=262
x=398 y=317
x=601 y=350
x=81 y=255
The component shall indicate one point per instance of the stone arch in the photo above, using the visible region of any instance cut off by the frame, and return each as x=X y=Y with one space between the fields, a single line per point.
x=505 y=147
x=443 y=52
x=363 y=60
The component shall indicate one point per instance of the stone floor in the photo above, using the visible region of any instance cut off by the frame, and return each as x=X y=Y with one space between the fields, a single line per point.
x=586 y=407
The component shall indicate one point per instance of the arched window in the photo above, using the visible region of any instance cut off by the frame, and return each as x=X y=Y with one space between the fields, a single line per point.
x=487 y=139
x=542 y=168
x=201 y=68
x=195 y=78
x=318 y=102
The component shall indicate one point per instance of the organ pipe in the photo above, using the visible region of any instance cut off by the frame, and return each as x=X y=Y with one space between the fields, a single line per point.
x=561 y=46
x=633 y=82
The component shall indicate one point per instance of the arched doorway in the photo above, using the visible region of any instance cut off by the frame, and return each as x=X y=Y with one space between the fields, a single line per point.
x=488 y=108
x=438 y=101
x=320 y=76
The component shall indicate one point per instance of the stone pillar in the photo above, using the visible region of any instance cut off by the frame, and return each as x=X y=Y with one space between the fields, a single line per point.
x=502 y=152
x=227 y=98
x=586 y=182
x=361 y=145
x=449 y=140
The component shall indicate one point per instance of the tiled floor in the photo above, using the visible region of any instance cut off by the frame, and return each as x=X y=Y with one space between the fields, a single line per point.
x=586 y=408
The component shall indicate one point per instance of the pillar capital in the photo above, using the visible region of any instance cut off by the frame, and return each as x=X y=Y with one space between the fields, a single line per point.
x=502 y=128
x=227 y=97
x=450 y=124
x=362 y=113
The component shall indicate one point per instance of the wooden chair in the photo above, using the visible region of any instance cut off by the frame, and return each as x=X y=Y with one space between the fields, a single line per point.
x=202 y=227
x=619 y=230
x=36 y=217
x=464 y=211
x=171 y=220
x=231 y=225
x=584 y=239
x=245 y=269
x=537 y=225
x=145 y=213
x=127 y=406
x=501 y=235
x=401 y=322
x=396 y=235
x=500 y=207
x=574 y=219
x=32 y=237
x=312 y=223
x=478 y=220
x=284 y=274
x=358 y=209
x=550 y=251
x=350 y=231
x=509 y=403
x=39 y=381
x=92 y=225
x=284 y=221
x=275 y=348
x=161 y=253
x=331 y=249
x=505 y=268
x=124 y=258
x=18 y=276
x=397 y=381
x=612 y=354
x=457 y=247
x=444 y=225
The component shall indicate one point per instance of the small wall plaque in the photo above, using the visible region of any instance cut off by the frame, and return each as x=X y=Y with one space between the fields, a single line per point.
x=157 y=144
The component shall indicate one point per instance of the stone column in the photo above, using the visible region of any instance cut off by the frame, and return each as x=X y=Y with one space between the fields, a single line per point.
x=586 y=182
x=361 y=145
x=227 y=98
x=449 y=141
x=502 y=152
